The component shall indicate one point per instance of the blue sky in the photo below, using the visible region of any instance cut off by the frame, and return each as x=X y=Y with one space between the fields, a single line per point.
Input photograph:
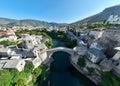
x=61 y=11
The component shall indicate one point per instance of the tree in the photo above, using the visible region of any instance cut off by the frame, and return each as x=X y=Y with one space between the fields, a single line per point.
x=81 y=26
x=17 y=76
x=34 y=78
x=5 y=78
x=37 y=71
x=48 y=44
x=91 y=71
x=28 y=67
x=71 y=43
x=81 y=62
x=108 y=79
x=21 y=82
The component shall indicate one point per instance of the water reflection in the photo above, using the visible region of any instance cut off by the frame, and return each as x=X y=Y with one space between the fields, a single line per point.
x=60 y=71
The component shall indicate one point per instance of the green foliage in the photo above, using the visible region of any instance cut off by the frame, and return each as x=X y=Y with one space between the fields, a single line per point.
x=5 y=78
x=21 y=82
x=101 y=25
x=81 y=26
x=81 y=62
x=37 y=71
x=44 y=73
x=6 y=43
x=48 y=44
x=20 y=44
x=91 y=70
x=31 y=32
x=33 y=79
x=61 y=36
x=71 y=43
x=16 y=78
x=19 y=77
x=108 y=79
x=41 y=71
x=28 y=67
x=73 y=31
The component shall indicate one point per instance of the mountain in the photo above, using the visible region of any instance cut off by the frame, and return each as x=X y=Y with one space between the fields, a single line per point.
x=100 y=17
x=4 y=21
x=27 y=22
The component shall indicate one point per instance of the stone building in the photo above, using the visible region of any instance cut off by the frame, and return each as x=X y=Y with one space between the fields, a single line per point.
x=96 y=33
x=110 y=38
x=95 y=55
x=12 y=64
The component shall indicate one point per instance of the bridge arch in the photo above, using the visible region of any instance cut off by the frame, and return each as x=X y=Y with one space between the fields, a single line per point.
x=50 y=52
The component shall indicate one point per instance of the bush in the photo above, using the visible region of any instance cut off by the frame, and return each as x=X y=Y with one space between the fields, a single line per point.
x=37 y=71
x=5 y=78
x=18 y=75
x=21 y=82
x=15 y=78
x=81 y=62
x=91 y=70
x=28 y=67
x=101 y=25
x=48 y=44
x=108 y=79
x=44 y=73
x=6 y=43
x=33 y=79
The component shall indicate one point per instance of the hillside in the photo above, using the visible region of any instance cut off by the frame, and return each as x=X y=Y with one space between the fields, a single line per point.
x=4 y=21
x=27 y=22
x=100 y=17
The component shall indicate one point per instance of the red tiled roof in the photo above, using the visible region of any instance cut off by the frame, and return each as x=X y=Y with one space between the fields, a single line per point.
x=7 y=34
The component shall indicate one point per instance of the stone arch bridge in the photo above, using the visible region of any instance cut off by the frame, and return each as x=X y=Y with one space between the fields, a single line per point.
x=64 y=49
x=67 y=50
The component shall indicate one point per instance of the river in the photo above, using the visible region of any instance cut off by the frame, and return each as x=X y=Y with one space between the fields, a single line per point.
x=62 y=73
x=57 y=43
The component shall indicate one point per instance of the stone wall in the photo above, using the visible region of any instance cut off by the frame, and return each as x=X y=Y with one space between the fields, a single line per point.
x=110 y=38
